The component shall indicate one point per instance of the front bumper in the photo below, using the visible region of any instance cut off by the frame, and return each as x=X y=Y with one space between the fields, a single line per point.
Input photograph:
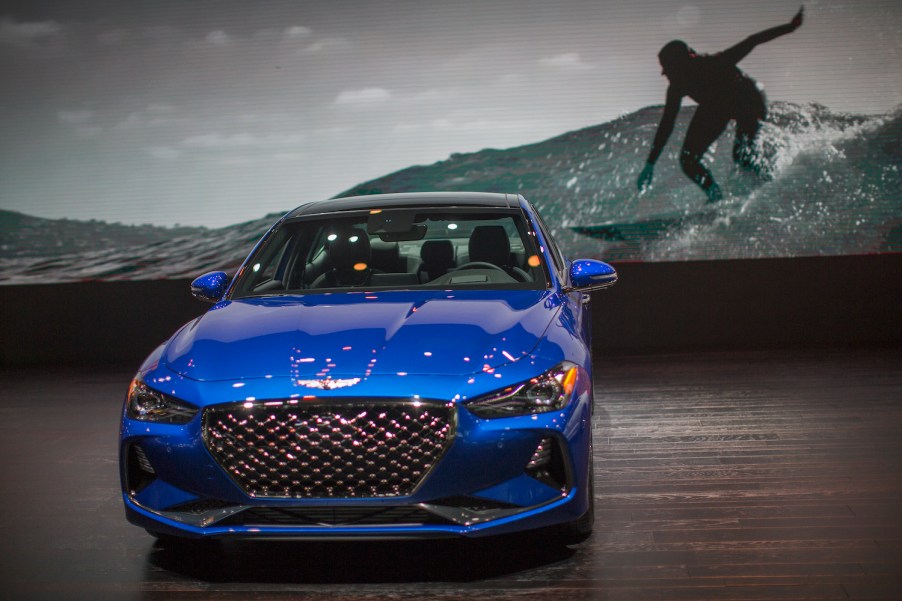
x=493 y=477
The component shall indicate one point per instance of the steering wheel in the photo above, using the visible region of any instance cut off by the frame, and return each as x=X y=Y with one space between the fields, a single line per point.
x=479 y=265
x=518 y=274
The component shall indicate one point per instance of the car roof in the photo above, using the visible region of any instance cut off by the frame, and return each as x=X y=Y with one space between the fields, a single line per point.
x=407 y=199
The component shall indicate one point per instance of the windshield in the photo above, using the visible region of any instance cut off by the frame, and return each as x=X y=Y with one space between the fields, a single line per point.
x=408 y=248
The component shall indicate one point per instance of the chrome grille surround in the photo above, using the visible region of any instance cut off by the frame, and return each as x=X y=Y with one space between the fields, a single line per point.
x=347 y=448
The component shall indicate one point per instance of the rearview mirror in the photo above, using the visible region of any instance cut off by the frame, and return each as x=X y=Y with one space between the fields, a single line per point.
x=395 y=226
x=589 y=274
x=210 y=287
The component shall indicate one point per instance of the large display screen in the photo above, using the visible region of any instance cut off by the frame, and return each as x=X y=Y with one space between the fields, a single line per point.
x=160 y=139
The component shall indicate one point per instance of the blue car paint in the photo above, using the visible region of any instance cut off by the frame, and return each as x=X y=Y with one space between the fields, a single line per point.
x=396 y=343
x=359 y=332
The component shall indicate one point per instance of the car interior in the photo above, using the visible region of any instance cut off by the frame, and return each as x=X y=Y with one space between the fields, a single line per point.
x=412 y=252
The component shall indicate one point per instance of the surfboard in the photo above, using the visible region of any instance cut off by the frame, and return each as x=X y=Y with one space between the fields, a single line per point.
x=647 y=228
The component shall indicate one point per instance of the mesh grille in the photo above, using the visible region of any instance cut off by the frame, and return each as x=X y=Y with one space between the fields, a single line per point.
x=337 y=450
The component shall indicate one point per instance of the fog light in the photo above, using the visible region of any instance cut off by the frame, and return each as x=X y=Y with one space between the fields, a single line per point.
x=139 y=471
x=143 y=461
x=547 y=464
x=542 y=456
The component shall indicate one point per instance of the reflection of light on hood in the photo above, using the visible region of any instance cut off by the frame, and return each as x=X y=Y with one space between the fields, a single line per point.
x=328 y=383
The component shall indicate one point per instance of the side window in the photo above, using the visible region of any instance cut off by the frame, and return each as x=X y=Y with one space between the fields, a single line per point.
x=553 y=249
x=268 y=273
x=263 y=273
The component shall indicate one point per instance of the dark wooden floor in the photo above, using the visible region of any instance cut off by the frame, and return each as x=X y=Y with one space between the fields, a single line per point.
x=722 y=476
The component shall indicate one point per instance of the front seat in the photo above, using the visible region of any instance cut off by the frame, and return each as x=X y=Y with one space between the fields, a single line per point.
x=438 y=259
x=490 y=244
x=349 y=256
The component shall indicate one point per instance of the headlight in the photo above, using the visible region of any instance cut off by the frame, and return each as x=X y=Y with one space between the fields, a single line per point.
x=548 y=392
x=146 y=404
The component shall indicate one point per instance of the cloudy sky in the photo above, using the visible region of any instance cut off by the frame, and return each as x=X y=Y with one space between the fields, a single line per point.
x=219 y=111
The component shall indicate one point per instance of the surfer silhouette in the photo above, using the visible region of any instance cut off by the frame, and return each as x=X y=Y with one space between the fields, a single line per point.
x=723 y=93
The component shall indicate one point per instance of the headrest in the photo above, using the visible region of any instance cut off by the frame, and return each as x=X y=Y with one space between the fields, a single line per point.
x=350 y=248
x=489 y=243
x=386 y=255
x=437 y=252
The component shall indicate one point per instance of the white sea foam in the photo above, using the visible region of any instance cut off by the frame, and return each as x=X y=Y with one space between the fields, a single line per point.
x=834 y=187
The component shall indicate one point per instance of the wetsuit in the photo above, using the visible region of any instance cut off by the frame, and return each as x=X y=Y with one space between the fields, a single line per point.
x=723 y=93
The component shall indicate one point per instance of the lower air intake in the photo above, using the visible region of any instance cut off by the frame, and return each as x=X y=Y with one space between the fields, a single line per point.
x=334 y=516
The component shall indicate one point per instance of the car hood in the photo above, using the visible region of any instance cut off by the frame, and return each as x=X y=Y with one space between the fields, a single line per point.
x=359 y=334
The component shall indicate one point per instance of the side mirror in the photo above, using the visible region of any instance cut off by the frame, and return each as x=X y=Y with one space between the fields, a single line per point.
x=210 y=287
x=589 y=274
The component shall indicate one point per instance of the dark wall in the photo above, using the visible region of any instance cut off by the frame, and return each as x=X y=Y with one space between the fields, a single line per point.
x=115 y=323
x=761 y=303
x=767 y=303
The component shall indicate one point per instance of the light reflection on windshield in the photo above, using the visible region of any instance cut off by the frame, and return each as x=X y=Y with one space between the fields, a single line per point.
x=397 y=249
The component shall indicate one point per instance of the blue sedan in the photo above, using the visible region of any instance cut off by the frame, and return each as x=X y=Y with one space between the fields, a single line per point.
x=385 y=366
